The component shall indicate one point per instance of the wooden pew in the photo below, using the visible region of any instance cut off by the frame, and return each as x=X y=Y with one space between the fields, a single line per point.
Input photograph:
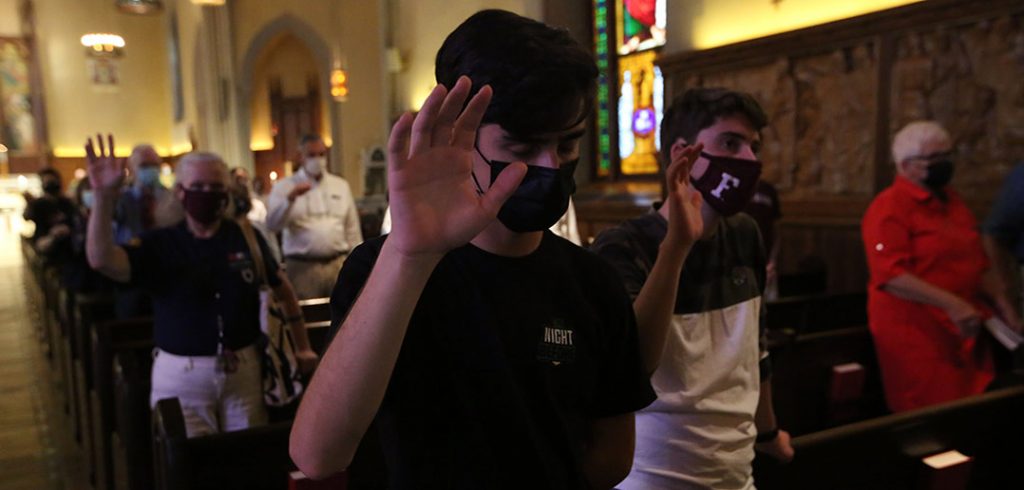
x=885 y=453
x=107 y=338
x=132 y=442
x=803 y=377
x=255 y=458
x=89 y=309
x=817 y=312
x=318 y=332
x=316 y=309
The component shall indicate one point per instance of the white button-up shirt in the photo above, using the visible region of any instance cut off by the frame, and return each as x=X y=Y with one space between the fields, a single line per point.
x=321 y=223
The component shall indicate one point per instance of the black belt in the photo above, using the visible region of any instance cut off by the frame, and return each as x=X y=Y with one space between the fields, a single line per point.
x=303 y=258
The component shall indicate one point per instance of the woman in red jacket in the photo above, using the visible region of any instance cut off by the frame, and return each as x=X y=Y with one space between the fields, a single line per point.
x=931 y=286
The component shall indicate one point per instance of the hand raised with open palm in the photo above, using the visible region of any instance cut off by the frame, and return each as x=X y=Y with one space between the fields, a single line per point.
x=434 y=206
x=685 y=223
x=106 y=172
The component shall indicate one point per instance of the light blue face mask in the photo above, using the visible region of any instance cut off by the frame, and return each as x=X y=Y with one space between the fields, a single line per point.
x=147 y=176
x=87 y=199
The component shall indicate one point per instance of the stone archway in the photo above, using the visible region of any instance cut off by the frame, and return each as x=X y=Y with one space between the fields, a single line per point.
x=289 y=24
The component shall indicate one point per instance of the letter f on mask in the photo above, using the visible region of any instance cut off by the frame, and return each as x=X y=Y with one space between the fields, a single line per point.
x=727 y=182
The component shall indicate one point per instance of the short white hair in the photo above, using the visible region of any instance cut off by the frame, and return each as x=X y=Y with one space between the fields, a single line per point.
x=910 y=140
x=199 y=157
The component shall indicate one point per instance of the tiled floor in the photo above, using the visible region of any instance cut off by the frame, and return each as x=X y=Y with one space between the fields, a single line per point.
x=36 y=450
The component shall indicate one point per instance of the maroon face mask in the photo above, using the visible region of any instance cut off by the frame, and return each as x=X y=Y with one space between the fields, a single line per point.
x=205 y=207
x=728 y=183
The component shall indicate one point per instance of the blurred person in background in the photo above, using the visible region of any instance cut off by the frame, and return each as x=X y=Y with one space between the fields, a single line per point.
x=931 y=285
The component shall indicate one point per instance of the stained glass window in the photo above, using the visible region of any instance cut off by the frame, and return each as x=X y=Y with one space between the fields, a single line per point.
x=641 y=25
x=641 y=89
x=630 y=88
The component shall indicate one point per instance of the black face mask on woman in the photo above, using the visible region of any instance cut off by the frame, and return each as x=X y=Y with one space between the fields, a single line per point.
x=728 y=183
x=541 y=198
x=940 y=172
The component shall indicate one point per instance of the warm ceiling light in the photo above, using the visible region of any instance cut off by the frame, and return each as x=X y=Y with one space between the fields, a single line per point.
x=101 y=43
x=140 y=7
x=213 y=3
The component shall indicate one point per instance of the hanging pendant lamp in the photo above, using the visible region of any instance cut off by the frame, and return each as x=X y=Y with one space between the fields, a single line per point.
x=140 y=7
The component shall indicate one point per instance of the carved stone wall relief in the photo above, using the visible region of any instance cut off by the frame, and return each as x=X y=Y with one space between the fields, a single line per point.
x=970 y=79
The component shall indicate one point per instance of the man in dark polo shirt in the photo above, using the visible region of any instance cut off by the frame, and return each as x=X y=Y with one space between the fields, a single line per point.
x=202 y=277
x=489 y=352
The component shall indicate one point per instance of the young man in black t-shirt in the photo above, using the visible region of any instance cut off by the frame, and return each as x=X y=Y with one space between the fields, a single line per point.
x=203 y=278
x=491 y=353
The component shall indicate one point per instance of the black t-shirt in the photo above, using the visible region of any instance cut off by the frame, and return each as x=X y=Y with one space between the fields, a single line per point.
x=197 y=283
x=504 y=364
x=49 y=211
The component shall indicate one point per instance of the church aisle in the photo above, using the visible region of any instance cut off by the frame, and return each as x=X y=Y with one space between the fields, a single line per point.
x=37 y=450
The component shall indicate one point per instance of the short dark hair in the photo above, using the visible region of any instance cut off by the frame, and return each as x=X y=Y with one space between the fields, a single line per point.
x=699 y=108
x=309 y=138
x=543 y=80
x=52 y=172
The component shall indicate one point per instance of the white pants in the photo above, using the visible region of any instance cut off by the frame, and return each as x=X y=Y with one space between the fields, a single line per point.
x=212 y=400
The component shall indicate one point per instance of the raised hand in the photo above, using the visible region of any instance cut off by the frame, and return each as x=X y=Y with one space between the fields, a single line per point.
x=299 y=189
x=106 y=172
x=685 y=224
x=434 y=205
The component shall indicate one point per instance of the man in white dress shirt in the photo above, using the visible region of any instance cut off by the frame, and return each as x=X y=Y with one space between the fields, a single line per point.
x=318 y=216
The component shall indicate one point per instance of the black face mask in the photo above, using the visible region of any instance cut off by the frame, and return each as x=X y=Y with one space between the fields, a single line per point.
x=541 y=198
x=51 y=187
x=940 y=173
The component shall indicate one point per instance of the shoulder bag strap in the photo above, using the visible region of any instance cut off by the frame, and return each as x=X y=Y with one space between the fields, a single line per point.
x=254 y=250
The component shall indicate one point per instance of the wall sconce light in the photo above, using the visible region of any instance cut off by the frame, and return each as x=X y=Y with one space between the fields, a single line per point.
x=339 y=85
x=101 y=44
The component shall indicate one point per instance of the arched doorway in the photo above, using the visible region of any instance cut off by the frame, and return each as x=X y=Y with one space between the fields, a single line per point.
x=284 y=87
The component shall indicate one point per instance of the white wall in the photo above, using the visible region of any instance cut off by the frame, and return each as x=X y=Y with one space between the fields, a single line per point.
x=10 y=21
